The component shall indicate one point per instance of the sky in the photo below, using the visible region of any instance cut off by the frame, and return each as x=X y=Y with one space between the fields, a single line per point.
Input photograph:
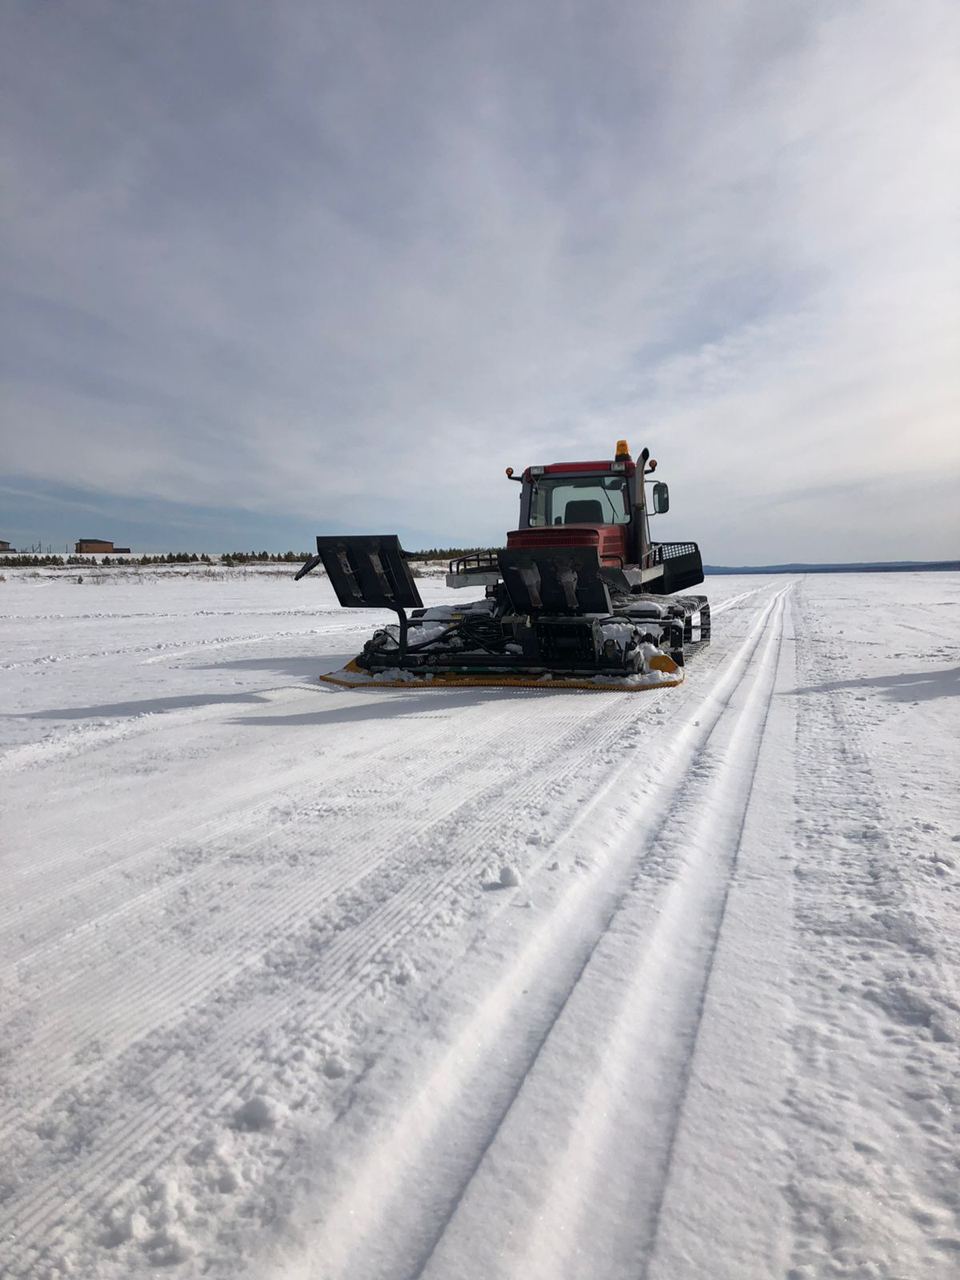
x=272 y=270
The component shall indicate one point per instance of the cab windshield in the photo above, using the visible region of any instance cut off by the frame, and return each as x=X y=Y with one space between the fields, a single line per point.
x=566 y=499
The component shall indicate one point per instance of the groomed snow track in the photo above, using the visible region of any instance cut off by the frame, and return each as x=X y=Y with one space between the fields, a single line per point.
x=268 y=1009
x=622 y=962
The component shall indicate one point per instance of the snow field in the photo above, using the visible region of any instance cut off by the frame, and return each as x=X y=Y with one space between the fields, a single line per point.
x=298 y=981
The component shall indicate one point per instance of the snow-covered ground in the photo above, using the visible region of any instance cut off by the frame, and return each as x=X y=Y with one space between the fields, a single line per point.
x=300 y=982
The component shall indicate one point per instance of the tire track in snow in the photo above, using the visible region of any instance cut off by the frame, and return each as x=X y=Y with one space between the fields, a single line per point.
x=732 y=601
x=143 y=842
x=137 y=844
x=342 y=966
x=645 y=1011
x=175 y=721
x=227 y=1058
x=361 y=625
x=147 y=835
x=180 y=648
x=354 y=951
x=140 y=997
x=470 y=1073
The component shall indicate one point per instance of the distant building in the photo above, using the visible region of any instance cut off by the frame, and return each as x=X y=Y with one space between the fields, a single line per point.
x=99 y=547
x=5 y=546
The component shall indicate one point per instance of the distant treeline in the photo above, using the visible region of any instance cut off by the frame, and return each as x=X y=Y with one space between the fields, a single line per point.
x=264 y=557
x=31 y=562
x=171 y=557
x=47 y=562
x=449 y=553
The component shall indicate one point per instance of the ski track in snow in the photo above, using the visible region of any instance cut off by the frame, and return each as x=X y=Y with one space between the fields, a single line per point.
x=608 y=1125
x=297 y=982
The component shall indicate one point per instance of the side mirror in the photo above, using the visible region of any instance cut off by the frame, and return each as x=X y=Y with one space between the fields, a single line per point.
x=661 y=498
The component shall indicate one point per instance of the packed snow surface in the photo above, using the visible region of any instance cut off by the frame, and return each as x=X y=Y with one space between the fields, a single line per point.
x=306 y=982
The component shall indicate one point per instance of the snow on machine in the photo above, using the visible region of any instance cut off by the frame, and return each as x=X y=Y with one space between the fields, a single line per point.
x=579 y=598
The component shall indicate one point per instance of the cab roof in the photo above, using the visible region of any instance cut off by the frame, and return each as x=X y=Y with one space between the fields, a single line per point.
x=623 y=466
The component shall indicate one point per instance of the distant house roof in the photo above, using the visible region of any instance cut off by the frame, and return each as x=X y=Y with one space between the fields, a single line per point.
x=89 y=546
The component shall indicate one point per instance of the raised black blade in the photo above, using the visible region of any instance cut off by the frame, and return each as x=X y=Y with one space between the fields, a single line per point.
x=369 y=571
x=554 y=580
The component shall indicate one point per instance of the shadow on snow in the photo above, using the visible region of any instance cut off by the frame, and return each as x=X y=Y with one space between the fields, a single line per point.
x=390 y=704
x=914 y=686
x=332 y=708
x=112 y=710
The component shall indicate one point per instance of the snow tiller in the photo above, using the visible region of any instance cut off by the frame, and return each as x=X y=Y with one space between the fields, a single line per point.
x=580 y=598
